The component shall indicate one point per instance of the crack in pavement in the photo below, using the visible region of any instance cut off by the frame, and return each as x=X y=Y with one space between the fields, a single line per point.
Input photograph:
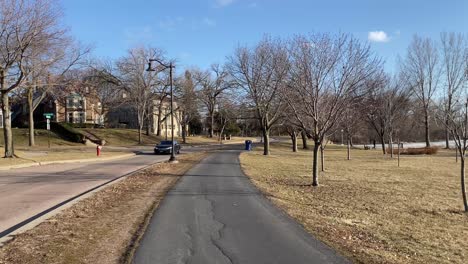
x=189 y=252
x=206 y=234
x=218 y=233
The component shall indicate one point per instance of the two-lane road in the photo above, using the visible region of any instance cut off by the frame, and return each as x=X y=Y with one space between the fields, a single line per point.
x=215 y=215
x=27 y=192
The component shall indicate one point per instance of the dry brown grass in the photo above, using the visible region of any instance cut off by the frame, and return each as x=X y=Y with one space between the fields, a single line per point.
x=102 y=228
x=367 y=208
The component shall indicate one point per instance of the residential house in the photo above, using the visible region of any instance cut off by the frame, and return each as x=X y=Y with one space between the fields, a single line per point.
x=79 y=108
x=165 y=125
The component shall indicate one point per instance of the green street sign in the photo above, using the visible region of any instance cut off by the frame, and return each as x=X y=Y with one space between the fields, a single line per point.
x=48 y=115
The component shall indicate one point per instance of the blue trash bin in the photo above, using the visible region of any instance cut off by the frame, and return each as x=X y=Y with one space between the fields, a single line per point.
x=248 y=145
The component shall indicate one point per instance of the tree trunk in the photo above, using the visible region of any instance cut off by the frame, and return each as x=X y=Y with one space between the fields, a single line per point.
x=266 y=142
x=294 y=141
x=390 y=145
x=221 y=134
x=382 y=141
x=447 y=118
x=31 y=117
x=7 y=133
x=426 y=128
x=184 y=133
x=322 y=157
x=140 y=132
x=349 y=149
x=315 y=164
x=148 y=126
x=447 y=135
x=158 y=129
x=212 y=125
x=304 y=140
x=463 y=186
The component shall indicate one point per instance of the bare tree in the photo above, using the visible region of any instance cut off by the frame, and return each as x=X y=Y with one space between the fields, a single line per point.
x=386 y=104
x=105 y=86
x=422 y=70
x=293 y=132
x=225 y=115
x=328 y=73
x=262 y=72
x=352 y=124
x=187 y=102
x=137 y=82
x=212 y=85
x=458 y=127
x=454 y=49
x=24 y=26
x=46 y=67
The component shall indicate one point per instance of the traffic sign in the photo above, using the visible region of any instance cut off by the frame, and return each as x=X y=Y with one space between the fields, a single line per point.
x=48 y=115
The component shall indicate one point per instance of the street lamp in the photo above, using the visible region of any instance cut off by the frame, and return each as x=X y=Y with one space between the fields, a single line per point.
x=169 y=66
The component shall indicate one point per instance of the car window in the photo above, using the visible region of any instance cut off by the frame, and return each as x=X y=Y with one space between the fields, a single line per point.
x=166 y=142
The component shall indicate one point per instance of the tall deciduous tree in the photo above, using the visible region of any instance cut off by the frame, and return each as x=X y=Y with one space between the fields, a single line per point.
x=212 y=85
x=46 y=68
x=457 y=124
x=454 y=50
x=422 y=71
x=386 y=104
x=25 y=26
x=137 y=82
x=262 y=72
x=327 y=74
x=187 y=102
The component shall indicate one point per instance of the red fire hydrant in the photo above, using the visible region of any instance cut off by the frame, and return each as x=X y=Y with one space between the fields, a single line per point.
x=98 y=150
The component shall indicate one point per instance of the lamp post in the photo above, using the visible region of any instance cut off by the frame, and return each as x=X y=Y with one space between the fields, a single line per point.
x=169 y=66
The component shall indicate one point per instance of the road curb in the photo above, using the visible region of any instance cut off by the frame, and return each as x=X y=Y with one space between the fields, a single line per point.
x=43 y=163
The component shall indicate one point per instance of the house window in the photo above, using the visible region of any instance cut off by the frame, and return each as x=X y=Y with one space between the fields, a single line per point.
x=70 y=117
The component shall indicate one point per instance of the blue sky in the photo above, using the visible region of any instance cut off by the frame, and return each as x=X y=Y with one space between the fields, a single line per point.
x=199 y=33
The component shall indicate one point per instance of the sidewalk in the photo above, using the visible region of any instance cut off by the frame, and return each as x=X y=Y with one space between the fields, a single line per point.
x=40 y=158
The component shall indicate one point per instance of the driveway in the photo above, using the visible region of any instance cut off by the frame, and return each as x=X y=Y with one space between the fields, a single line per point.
x=215 y=215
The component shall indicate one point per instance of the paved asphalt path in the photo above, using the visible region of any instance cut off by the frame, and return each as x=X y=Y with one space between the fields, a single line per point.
x=215 y=215
x=26 y=192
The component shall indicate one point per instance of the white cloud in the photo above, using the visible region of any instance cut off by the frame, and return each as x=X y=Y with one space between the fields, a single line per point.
x=378 y=36
x=223 y=3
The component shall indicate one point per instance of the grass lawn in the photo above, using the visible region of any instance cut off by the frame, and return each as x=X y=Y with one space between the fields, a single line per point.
x=121 y=137
x=367 y=208
x=21 y=139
